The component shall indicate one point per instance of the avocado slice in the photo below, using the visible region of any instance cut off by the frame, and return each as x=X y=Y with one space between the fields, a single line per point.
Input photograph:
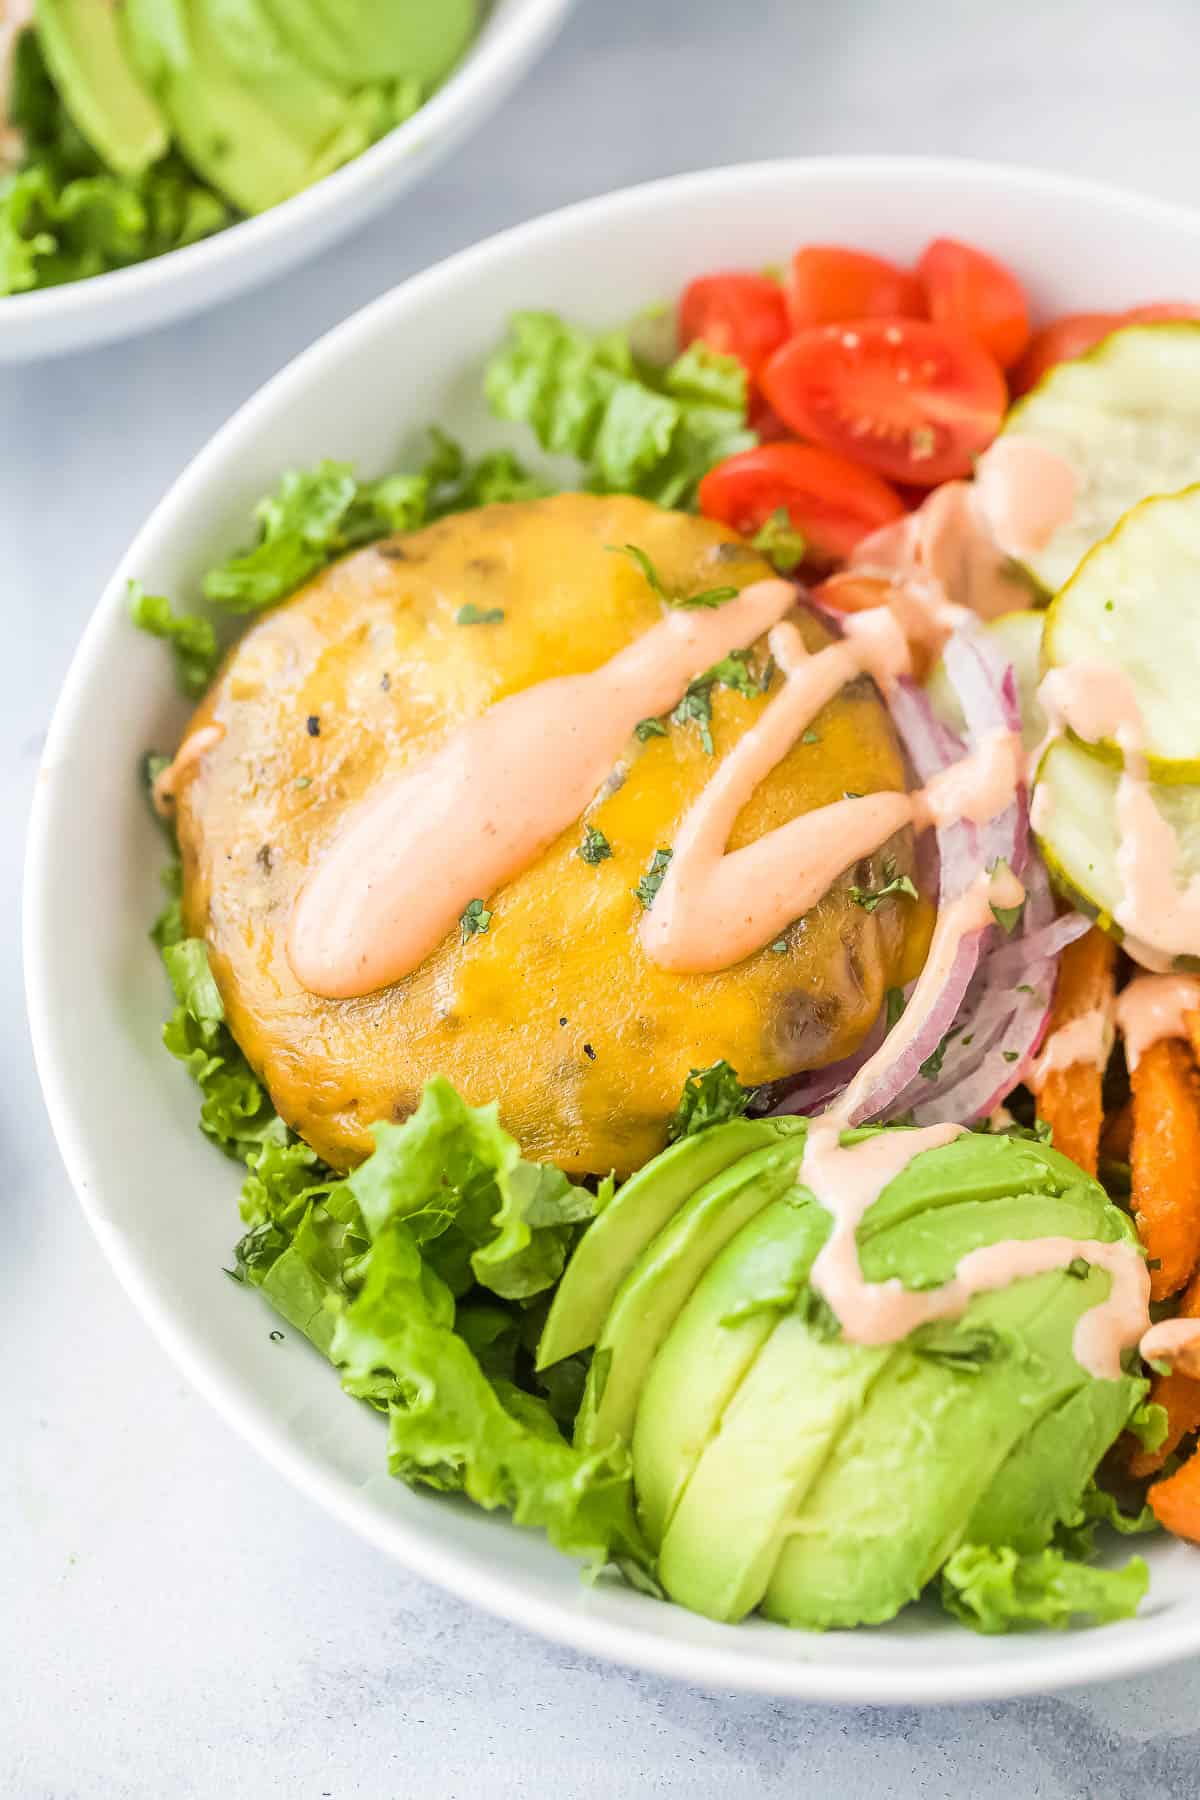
x=633 y=1218
x=86 y=57
x=799 y=1398
x=745 y=1429
x=649 y=1299
x=1041 y=1481
x=732 y=1312
x=905 y=1481
x=358 y=41
x=249 y=117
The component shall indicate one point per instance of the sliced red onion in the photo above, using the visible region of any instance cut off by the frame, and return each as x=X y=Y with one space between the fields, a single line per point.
x=985 y=685
x=1012 y=959
x=997 y=1029
x=1008 y=1050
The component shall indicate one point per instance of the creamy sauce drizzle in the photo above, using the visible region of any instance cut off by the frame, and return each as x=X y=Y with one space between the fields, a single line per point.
x=953 y=556
x=1084 y=1042
x=1160 y=917
x=397 y=878
x=1174 y=1341
x=455 y=827
x=978 y=787
x=714 y=906
x=1154 y=1007
x=193 y=747
x=847 y=1180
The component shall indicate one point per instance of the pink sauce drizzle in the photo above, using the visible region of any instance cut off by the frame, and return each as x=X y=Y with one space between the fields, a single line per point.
x=953 y=555
x=410 y=858
x=458 y=825
x=1169 y=1339
x=715 y=907
x=978 y=787
x=1154 y=1007
x=193 y=747
x=847 y=1180
x=1160 y=918
x=1084 y=1042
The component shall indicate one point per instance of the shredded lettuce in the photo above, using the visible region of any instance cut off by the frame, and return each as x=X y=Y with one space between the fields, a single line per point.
x=452 y=1428
x=994 y=1589
x=314 y=515
x=456 y=1179
x=636 y=430
x=418 y=1277
x=64 y=216
x=1149 y=1424
x=192 y=638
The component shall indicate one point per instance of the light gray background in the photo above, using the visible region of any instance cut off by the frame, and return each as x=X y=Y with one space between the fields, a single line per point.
x=173 y=1619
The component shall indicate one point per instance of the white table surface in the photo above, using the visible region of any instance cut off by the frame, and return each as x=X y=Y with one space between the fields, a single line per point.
x=173 y=1619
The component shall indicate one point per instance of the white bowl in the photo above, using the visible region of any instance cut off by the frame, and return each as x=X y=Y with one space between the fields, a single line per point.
x=160 y=1199
x=83 y=313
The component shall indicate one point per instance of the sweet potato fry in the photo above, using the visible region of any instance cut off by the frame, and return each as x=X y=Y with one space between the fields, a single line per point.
x=1178 y=1394
x=1165 y=1162
x=1192 y=1025
x=1176 y=1501
x=1069 y=1099
x=1116 y=1138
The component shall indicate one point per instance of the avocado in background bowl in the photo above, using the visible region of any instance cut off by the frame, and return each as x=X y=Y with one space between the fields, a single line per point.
x=151 y=123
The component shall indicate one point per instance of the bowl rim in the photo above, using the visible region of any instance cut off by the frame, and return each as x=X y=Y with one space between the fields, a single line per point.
x=1083 y=1656
x=486 y=63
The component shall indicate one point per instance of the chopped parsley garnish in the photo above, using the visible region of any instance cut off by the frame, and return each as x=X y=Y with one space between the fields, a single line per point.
x=475 y=919
x=894 y=1002
x=1010 y=1055
x=595 y=846
x=780 y=542
x=810 y=736
x=931 y=1068
x=1079 y=1267
x=779 y=947
x=710 y=1097
x=648 y=728
x=696 y=708
x=869 y=898
x=470 y=614
x=734 y=671
x=710 y=597
x=652 y=880
x=1006 y=917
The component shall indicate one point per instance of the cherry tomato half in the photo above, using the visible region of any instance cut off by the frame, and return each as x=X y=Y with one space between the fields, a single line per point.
x=741 y=314
x=828 y=285
x=964 y=287
x=915 y=402
x=831 y=501
x=1074 y=333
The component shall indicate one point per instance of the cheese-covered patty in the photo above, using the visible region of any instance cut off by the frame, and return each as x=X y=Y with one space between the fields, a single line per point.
x=554 y=1009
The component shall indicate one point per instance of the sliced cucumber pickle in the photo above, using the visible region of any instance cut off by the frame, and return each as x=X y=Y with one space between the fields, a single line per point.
x=1134 y=602
x=1019 y=636
x=1126 y=416
x=1080 y=839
